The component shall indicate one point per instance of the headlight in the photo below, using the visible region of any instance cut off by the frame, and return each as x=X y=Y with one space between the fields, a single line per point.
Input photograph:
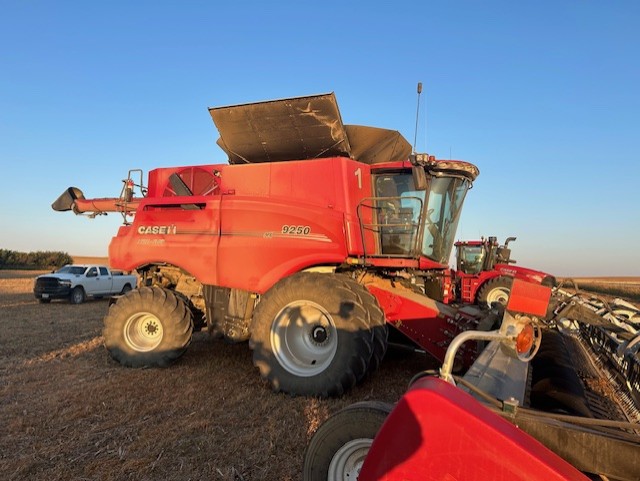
x=65 y=283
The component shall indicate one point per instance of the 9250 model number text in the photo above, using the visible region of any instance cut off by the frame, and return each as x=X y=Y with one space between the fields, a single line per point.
x=296 y=229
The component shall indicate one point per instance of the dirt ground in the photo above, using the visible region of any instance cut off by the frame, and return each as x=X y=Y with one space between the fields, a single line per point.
x=67 y=411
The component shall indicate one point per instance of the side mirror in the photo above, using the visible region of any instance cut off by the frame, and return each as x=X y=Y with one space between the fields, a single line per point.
x=419 y=177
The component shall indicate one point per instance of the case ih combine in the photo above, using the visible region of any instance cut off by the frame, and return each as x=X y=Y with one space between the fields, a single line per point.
x=484 y=272
x=311 y=243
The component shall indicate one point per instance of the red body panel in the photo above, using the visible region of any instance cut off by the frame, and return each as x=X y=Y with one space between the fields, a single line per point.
x=438 y=432
x=471 y=283
x=430 y=324
x=529 y=298
x=256 y=224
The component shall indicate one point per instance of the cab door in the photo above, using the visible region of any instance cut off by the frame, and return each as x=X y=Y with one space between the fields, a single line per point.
x=95 y=283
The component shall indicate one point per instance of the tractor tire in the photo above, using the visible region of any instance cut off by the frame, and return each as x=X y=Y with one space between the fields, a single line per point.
x=377 y=322
x=338 y=448
x=495 y=290
x=147 y=327
x=77 y=295
x=311 y=336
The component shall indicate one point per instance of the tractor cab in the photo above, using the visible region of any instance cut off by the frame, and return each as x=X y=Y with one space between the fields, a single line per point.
x=474 y=257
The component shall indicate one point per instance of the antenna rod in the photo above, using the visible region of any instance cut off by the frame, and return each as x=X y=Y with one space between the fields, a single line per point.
x=415 y=135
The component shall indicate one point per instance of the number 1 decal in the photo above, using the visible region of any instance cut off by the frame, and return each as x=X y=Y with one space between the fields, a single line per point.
x=359 y=176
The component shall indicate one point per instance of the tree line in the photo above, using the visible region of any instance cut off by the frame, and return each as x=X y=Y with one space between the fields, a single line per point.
x=33 y=260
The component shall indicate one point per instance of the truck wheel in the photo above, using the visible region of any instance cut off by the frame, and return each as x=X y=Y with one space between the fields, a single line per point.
x=495 y=290
x=377 y=322
x=338 y=448
x=147 y=327
x=126 y=288
x=77 y=295
x=310 y=336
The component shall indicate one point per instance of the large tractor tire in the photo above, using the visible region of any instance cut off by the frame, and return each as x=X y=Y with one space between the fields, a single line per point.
x=147 y=327
x=377 y=322
x=311 y=336
x=338 y=448
x=495 y=290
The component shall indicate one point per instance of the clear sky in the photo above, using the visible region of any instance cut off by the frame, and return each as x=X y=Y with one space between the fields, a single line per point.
x=543 y=96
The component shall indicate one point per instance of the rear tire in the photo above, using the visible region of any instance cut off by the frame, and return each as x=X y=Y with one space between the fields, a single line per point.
x=310 y=336
x=338 y=448
x=497 y=289
x=126 y=288
x=147 y=327
x=77 y=295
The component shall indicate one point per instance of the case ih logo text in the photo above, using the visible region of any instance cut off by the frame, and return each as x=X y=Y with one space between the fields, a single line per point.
x=156 y=229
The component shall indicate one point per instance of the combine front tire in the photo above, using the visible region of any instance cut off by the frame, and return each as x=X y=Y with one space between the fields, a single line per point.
x=311 y=336
x=338 y=448
x=377 y=322
x=495 y=290
x=147 y=327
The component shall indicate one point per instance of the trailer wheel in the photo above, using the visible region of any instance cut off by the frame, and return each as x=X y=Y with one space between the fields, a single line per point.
x=495 y=290
x=338 y=448
x=377 y=322
x=310 y=336
x=147 y=327
x=77 y=295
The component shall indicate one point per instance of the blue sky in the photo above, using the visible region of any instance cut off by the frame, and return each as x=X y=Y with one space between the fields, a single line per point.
x=543 y=96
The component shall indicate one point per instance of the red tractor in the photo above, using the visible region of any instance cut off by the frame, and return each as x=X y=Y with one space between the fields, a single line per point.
x=484 y=272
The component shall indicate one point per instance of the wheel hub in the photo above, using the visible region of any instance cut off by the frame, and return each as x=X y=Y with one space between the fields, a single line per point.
x=319 y=334
x=304 y=338
x=500 y=295
x=143 y=332
x=348 y=460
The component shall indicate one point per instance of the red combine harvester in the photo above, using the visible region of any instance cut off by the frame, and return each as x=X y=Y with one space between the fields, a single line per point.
x=484 y=272
x=313 y=239
x=312 y=243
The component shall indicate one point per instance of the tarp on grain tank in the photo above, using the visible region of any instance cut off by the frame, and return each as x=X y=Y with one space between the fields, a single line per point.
x=301 y=128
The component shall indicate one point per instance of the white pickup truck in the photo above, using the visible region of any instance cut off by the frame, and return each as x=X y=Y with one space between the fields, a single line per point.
x=76 y=282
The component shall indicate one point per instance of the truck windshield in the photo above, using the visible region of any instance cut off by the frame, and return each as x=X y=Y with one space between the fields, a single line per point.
x=404 y=213
x=77 y=270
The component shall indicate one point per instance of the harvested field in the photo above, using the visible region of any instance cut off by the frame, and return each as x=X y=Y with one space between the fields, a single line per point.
x=625 y=287
x=69 y=412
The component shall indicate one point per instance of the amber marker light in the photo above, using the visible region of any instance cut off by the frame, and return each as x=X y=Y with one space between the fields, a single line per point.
x=525 y=339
